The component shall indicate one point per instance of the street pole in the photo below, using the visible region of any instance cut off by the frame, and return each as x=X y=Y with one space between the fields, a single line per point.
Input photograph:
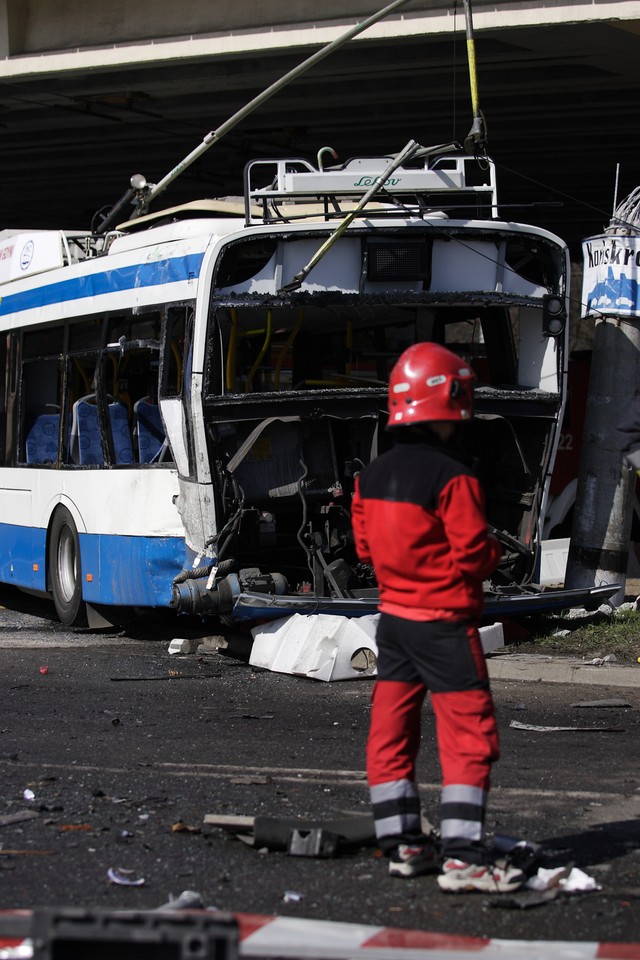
x=599 y=549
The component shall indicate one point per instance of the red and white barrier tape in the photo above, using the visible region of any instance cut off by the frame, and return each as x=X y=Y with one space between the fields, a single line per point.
x=304 y=939
x=263 y=936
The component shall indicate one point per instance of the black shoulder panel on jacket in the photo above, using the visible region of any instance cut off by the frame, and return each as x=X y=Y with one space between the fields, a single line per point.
x=411 y=473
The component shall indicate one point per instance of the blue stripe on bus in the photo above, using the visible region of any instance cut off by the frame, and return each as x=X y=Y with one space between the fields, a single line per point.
x=22 y=549
x=130 y=571
x=110 y=281
x=125 y=571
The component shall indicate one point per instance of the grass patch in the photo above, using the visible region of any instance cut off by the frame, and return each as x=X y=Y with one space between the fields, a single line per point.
x=603 y=634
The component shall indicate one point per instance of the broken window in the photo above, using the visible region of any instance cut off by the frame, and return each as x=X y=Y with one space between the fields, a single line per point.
x=89 y=390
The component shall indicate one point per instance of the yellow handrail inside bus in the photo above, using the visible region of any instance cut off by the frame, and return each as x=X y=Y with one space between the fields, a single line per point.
x=260 y=357
x=178 y=358
x=87 y=383
x=232 y=354
x=286 y=347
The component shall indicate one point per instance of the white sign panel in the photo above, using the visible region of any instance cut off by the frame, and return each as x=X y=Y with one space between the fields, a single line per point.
x=611 y=275
x=25 y=254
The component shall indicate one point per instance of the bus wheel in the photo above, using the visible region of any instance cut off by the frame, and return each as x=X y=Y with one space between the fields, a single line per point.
x=66 y=570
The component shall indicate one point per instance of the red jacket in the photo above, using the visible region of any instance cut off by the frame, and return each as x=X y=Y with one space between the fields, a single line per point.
x=418 y=517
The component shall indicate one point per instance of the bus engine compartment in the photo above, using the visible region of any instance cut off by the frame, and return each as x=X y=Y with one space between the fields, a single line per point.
x=295 y=399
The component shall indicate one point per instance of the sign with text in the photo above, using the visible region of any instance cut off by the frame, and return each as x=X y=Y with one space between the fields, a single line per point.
x=610 y=276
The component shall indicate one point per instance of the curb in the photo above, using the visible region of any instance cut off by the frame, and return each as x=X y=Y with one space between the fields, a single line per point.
x=538 y=667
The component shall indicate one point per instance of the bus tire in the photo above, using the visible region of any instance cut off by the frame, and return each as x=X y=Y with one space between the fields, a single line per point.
x=65 y=570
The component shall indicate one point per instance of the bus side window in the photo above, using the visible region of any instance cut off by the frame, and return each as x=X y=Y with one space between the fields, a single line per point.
x=42 y=433
x=41 y=405
x=80 y=383
x=87 y=441
x=178 y=324
x=4 y=392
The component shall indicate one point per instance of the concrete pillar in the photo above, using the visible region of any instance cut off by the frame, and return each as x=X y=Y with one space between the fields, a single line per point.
x=13 y=18
x=599 y=550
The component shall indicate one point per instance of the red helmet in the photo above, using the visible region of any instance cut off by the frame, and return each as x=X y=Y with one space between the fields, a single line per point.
x=429 y=383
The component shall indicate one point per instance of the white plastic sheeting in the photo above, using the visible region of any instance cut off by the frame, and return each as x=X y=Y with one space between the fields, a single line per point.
x=319 y=646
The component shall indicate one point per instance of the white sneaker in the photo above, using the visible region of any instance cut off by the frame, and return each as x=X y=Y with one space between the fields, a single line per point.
x=409 y=860
x=458 y=877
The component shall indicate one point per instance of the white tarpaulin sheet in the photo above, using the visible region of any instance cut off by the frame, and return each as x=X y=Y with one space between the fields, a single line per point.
x=611 y=273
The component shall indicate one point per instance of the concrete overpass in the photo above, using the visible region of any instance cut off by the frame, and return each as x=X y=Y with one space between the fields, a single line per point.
x=92 y=92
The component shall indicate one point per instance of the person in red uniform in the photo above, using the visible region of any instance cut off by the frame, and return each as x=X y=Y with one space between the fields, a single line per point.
x=418 y=518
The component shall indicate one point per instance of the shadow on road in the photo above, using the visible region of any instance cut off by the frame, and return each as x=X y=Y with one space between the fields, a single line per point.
x=606 y=842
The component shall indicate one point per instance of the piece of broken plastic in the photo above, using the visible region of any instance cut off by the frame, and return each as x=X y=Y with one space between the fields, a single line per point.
x=124 y=878
x=569 y=879
x=183 y=645
x=292 y=896
x=188 y=900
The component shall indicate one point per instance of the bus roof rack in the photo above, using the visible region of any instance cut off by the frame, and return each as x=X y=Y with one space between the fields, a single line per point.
x=281 y=190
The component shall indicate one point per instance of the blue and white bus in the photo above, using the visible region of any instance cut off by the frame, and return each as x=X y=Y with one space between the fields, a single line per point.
x=187 y=399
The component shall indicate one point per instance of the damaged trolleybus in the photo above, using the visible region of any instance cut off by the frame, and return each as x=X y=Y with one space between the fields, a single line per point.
x=187 y=399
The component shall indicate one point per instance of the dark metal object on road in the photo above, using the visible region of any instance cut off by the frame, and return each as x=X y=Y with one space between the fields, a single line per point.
x=313 y=843
x=134 y=935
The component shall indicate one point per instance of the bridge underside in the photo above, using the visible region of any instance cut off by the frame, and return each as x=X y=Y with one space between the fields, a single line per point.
x=560 y=101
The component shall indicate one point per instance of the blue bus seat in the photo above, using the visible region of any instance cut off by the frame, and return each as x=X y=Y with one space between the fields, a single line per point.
x=86 y=440
x=122 y=444
x=41 y=442
x=149 y=430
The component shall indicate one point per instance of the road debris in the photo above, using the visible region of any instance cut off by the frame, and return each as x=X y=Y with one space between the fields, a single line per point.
x=183 y=645
x=601 y=661
x=187 y=900
x=18 y=817
x=181 y=827
x=124 y=878
x=537 y=728
x=28 y=795
x=170 y=675
x=313 y=843
x=292 y=896
x=249 y=781
x=297 y=836
x=524 y=901
x=568 y=879
x=604 y=612
x=322 y=646
x=250 y=716
x=602 y=703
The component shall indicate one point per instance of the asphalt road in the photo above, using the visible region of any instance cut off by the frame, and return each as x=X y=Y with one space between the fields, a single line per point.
x=118 y=742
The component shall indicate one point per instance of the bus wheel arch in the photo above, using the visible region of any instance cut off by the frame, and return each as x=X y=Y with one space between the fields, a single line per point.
x=65 y=568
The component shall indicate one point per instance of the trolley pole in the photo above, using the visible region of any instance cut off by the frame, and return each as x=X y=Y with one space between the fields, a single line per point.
x=599 y=549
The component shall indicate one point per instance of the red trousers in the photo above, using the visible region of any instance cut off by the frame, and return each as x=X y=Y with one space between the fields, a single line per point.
x=447 y=660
